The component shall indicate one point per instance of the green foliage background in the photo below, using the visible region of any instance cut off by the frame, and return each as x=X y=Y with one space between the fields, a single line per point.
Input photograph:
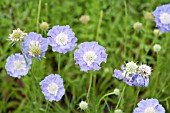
x=115 y=34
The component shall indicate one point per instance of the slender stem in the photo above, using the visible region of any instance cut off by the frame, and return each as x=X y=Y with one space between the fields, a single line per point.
x=99 y=24
x=46 y=107
x=136 y=99
x=125 y=33
x=88 y=93
x=122 y=94
x=38 y=15
x=59 y=63
x=102 y=99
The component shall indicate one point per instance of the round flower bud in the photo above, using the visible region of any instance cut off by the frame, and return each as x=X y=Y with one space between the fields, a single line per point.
x=44 y=26
x=84 y=19
x=116 y=92
x=157 y=32
x=137 y=26
x=83 y=105
x=118 y=111
x=156 y=48
x=148 y=16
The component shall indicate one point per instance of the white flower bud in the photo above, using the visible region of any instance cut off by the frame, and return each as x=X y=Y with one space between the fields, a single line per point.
x=131 y=67
x=44 y=26
x=137 y=26
x=116 y=92
x=157 y=32
x=118 y=111
x=148 y=16
x=83 y=105
x=84 y=19
x=156 y=48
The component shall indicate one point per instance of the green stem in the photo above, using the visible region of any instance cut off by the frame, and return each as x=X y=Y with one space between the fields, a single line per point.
x=102 y=99
x=122 y=94
x=38 y=15
x=90 y=84
x=46 y=107
x=99 y=24
x=136 y=99
x=125 y=33
x=59 y=63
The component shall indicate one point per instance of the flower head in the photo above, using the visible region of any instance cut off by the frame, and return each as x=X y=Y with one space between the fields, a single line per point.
x=144 y=70
x=149 y=106
x=148 y=16
x=116 y=92
x=137 y=77
x=52 y=87
x=137 y=26
x=156 y=48
x=89 y=56
x=157 y=32
x=17 y=65
x=34 y=46
x=44 y=26
x=83 y=105
x=84 y=19
x=17 y=35
x=62 y=39
x=118 y=111
x=162 y=15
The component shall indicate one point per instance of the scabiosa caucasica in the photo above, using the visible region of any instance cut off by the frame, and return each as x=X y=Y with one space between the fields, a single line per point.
x=52 y=87
x=162 y=15
x=17 y=35
x=149 y=106
x=134 y=75
x=17 y=65
x=89 y=56
x=62 y=39
x=34 y=45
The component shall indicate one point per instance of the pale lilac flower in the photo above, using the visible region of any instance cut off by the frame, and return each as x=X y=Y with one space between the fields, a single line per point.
x=62 y=39
x=89 y=56
x=34 y=46
x=162 y=17
x=52 y=87
x=149 y=106
x=17 y=65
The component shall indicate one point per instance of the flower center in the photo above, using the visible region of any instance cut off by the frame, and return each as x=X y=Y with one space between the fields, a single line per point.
x=18 y=65
x=35 y=49
x=16 y=35
x=52 y=88
x=61 y=39
x=89 y=57
x=165 y=18
x=131 y=67
x=150 y=110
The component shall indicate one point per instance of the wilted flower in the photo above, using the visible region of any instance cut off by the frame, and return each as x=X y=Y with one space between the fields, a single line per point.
x=157 y=32
x=62 y=39
x=137 y=26
x=118 y=111
x=156 y=48
x=149 y=106
x=84 y=19
x=89 y=56
x=17 y=35
x=44 y=26
x=52 y=87
x=148 y=16
x=134 y=75
x=17 y=65
x=34 y=45
x=162 y=15
x=83 y=105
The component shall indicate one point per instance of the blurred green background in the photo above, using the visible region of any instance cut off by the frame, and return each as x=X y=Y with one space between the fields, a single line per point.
x=115 y=34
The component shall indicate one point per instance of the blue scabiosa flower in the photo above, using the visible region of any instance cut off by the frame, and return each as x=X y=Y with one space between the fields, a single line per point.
x=52 y=87
x=162 y=15
x=134 y=75
x=149 y=106
x=17 y=65
x=34 y=46
x=89 y=56
x=62 y=39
